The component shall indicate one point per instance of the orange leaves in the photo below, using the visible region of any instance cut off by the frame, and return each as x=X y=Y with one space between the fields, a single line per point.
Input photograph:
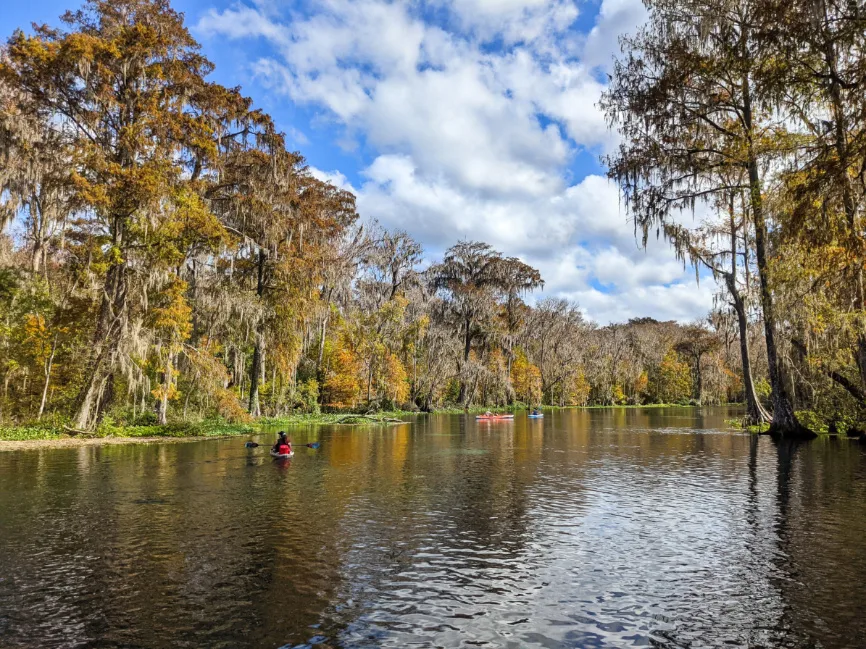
x=168 y=392
x=342 y=385
x=37 y=338
x=526 y=379
x=171 y=315
x=393 y=380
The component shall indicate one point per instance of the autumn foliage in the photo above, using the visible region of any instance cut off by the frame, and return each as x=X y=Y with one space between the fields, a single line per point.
x=174 y=260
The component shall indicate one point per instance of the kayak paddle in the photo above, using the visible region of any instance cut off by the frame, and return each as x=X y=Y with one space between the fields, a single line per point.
x=310 y=445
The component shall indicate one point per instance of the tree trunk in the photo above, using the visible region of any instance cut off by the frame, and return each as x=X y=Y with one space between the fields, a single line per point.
x=256 y=368
x=755 y=412
x=784 y=422
x=83 y=418
x=112 y=311
x=105 y=394
x=323 y=333
x=48 y=365
x=37 y=257
x=861 y=358
x=467 y=348
x=165 y=392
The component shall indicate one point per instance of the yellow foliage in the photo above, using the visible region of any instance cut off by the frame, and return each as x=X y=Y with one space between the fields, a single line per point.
x=674 y=380
x=37 y=338
x=394 y=381
x=172 y=316
x=162 y=390
x=342 y=385
x=526 y=379
x=579 y=390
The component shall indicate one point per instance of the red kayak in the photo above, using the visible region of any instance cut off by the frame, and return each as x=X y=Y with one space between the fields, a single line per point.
x=493 y=417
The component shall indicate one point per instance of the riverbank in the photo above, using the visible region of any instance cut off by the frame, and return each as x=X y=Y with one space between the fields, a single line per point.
x=13 y=438
x=109 y=432
x=79 y=442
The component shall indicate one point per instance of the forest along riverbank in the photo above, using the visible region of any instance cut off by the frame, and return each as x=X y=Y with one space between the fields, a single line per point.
x=238 y=283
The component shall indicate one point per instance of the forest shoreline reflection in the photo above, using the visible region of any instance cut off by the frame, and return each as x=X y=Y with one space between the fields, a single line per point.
x=654 y=528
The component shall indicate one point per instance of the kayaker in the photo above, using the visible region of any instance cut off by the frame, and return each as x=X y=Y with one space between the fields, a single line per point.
x=282 y=446
x=535 y=411
x=488 y=414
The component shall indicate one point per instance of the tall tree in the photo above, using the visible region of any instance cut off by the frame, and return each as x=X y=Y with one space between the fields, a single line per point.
x=697 y=123
x=723 y=247
x=821 y=91
x=472 y=278
x=127 y=81
x=696 y=343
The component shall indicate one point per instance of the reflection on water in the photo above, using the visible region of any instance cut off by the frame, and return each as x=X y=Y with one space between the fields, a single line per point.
x=585 y=529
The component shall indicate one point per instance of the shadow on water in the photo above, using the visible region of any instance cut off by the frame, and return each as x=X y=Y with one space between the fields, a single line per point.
x=820 y=527
x=589 y=528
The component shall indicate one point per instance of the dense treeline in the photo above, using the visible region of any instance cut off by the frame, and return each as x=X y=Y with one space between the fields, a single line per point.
x=165 y=256
x=174 y=260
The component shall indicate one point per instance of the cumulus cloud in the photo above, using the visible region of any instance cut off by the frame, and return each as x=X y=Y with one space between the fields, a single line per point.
x=474 y=111
x=615 y=17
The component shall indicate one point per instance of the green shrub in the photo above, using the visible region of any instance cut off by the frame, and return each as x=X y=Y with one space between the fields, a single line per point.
x=24 y=433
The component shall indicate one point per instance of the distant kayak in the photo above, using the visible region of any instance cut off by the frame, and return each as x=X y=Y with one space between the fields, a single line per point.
x=493 y=417
x=535 y=416
x=282 y=456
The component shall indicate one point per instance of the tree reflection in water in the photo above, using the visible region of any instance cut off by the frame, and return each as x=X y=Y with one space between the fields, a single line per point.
x=654 y=527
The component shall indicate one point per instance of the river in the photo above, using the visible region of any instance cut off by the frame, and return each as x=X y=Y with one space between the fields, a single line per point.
x=589 y=528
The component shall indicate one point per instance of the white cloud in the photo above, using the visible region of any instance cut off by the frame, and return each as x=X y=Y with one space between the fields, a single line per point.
x=615 y=17
x=243 y=22
x=682 y=301
x=336 y=178
x=514 y=21
x=474 y=120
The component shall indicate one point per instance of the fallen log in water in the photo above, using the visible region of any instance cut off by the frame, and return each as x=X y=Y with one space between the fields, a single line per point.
x=74 y=432
x=358 y=419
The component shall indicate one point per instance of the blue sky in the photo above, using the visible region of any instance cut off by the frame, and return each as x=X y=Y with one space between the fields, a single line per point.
x=454 y=119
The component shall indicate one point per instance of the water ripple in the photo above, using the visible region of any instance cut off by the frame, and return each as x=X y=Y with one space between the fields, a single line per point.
x=593 y=529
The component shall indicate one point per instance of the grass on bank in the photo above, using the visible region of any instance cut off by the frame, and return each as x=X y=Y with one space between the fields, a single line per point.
x=108 y=428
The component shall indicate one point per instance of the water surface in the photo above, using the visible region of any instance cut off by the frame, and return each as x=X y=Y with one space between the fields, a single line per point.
x=624 y=528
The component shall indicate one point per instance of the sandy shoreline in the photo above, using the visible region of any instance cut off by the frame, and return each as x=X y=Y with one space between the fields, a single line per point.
x=74 y=442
